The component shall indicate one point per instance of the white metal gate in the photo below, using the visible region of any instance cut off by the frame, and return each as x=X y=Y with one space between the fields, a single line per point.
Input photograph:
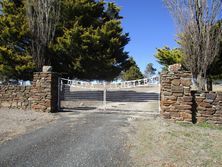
x=82 y=95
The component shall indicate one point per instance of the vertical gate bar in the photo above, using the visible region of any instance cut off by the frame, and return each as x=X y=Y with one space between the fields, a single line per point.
x=59 y=87
x=104 y=96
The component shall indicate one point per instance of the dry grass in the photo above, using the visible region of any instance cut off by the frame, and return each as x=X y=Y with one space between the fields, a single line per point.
x=156 y=142
x=17 y=122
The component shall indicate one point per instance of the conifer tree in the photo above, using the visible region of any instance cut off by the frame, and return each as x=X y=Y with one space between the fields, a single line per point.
x=91 y=44
x=15 y=59
x=150 y=70
x=132 y=72
x=88 y=44
x=167 y=56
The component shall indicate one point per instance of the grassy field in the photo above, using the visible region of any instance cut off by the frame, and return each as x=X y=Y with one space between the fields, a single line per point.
x=157 y=142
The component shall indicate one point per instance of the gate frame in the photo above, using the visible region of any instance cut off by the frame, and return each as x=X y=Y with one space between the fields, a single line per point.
x=123 y=85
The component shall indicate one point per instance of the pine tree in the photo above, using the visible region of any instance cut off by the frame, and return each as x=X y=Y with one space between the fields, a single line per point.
x=150 y=70
x=167 y=56
x=133 y=72
x=15 y=59
x=90 y=42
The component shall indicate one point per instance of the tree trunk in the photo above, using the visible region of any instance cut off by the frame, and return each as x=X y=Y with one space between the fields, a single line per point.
x=201 y=82
x=195 y=83
x=209 y=84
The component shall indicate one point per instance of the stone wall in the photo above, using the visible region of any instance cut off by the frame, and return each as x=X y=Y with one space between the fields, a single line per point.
x=208 y=107
x=180 y=103
x=42 y=95
x=15 y=97
x=44 y=92
x=176 y=99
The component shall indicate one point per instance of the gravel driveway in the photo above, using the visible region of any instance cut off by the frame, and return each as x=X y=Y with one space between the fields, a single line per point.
x=119 y=139
x=76 y=139
x=93 y=138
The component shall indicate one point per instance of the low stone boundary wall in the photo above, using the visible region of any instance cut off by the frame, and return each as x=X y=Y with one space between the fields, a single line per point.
x=41 y=96
x=208 y=107
x=180 y=103
x=15 y=97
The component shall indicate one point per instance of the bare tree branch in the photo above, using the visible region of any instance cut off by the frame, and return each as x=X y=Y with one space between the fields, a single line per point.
x=43 y=16
x=199 y=33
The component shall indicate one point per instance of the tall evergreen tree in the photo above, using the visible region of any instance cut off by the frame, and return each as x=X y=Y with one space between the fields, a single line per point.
x=15 y=59
x=150 y=70
x=166 y=56
x=90 y=42
x=132 y=71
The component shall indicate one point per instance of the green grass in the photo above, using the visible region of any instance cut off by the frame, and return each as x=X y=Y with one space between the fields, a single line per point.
x=210 y=126
x=202 y=125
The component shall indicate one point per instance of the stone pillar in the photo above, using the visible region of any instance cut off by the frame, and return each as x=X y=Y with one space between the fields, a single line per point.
x=176 y=98
x=44 y=91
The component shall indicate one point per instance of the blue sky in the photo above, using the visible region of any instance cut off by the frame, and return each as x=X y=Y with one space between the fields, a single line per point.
x=150 y=26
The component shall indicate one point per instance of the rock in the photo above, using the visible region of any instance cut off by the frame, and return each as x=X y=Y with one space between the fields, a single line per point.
x=187 y=99
x=168 y=102
x=187 y=91
x=185 y=115
x=199 y=99
x=205 y=105
x=183 y=107
x=211 y=96
x=188 y=103
x=186 y=75
x=176 y=82
x=174 y=67
x=201 y=119
x=167 y=93
x=175 y=114
x=216 y=102
x=207 y=112
x=166 y=115
x=177 y=89
x=173 y=98
x=186 y=82
x=208 y=101
x=178 y=94
x=187 y=111
x=47 y=69
x=199 y=108
x=211 y=110
x=179 y=99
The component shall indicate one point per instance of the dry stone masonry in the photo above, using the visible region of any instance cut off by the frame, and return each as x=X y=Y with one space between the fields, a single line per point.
x=176 y=99
x=180 y=103
x=41 y=96
x=15 y=97
x=209 y=107
x=44 y=92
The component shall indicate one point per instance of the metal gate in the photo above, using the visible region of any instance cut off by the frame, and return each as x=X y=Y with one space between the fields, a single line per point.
x=128 y=95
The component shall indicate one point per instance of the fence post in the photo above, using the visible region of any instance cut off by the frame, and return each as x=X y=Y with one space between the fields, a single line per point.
x=59 y=90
